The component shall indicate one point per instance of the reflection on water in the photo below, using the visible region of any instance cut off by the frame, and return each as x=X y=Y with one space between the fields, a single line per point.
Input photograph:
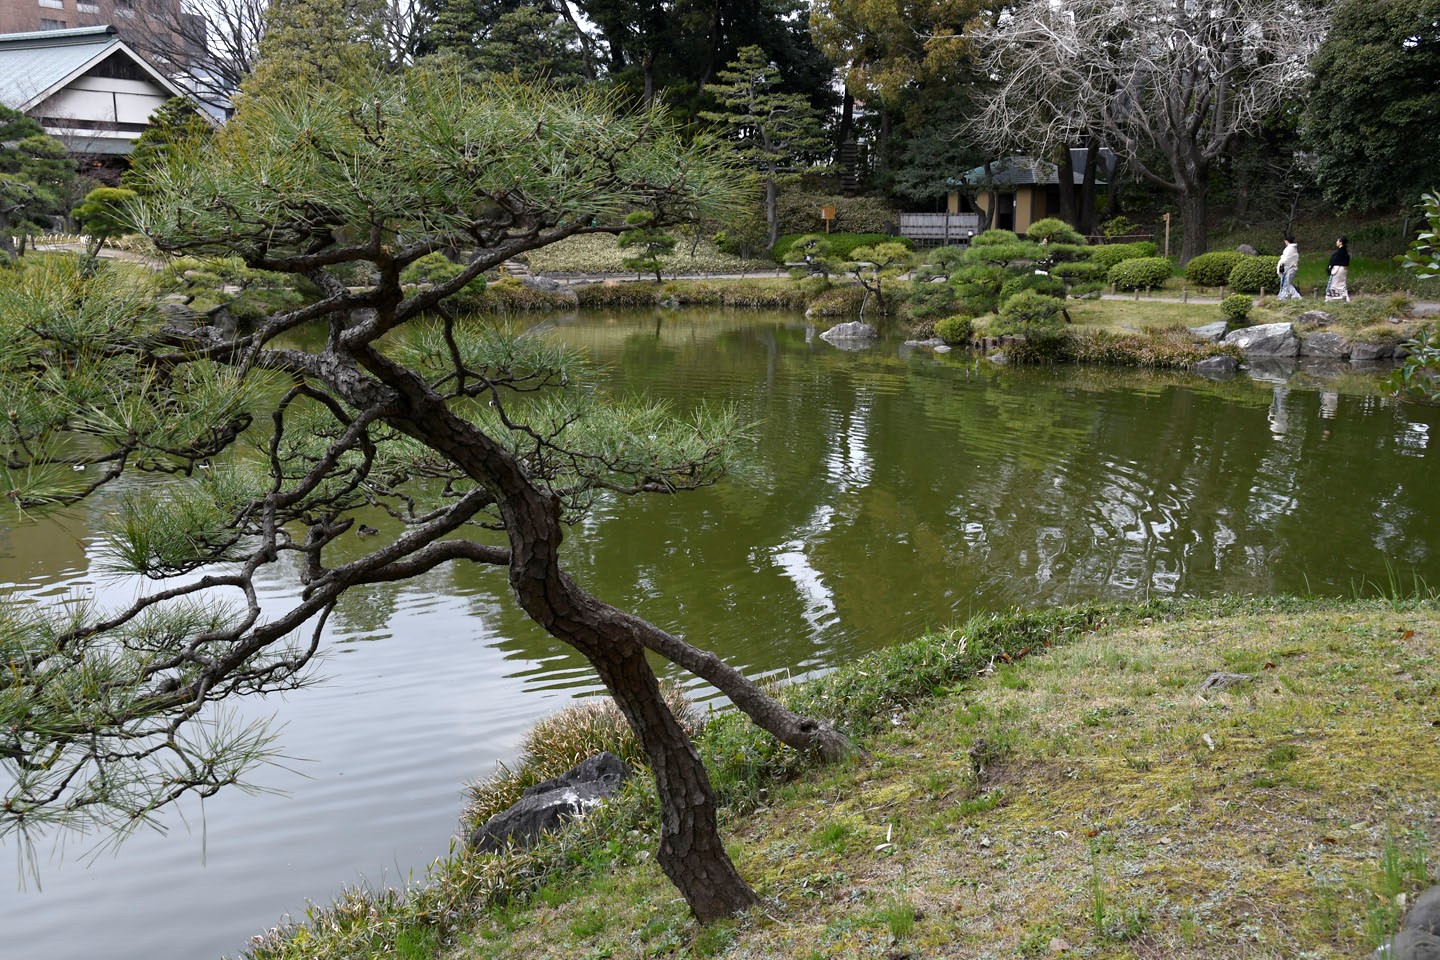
x=884 y=495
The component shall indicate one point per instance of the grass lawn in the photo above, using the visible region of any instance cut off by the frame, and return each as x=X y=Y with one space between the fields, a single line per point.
x=1091 y=801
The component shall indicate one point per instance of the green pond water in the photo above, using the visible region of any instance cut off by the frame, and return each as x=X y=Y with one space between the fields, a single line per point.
x=888 y=491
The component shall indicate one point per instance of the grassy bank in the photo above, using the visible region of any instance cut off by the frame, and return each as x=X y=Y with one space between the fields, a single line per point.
x=1046 y=784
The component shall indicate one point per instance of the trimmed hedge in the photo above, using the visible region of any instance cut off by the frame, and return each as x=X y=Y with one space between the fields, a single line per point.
x=1109 y=254
x=799 y=212
x=1254 y=275
x=1213 y=269
x=1144 y=273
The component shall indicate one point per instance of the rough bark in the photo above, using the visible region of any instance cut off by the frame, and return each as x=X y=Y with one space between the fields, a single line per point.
x=691 y=852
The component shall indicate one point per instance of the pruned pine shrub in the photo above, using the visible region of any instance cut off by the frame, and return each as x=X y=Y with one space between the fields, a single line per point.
x=1145 y=273
x=838 y=246
x=1054 y=230
x=959 y=329
x=1109 y=254
x=1254 y=275
x=1039 y=282
x=1236 y=309
x=1029 y=314
x=1212 y=269
x=1080 y=271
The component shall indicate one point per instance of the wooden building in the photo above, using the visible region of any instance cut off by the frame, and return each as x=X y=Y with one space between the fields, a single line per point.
x=86 y=87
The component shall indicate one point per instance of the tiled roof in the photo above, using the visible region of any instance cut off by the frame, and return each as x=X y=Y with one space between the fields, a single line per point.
x=34 y=65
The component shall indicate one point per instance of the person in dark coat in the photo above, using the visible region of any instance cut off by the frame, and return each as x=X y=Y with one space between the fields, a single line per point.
x=1335 y=286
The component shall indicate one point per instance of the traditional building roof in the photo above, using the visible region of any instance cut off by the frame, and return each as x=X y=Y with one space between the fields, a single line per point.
x=85 y=86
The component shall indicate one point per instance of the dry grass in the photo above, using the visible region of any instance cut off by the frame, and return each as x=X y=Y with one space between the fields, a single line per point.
x=1089 y=802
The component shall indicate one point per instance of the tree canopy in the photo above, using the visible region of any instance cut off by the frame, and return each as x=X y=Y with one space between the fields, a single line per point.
x=475 y=442
x=1373 y=114
x=1169 y=85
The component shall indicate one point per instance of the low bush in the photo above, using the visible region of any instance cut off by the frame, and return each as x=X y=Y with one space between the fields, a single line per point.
x=509 y=295
x=1236 y=309
x=1109 y=254
x=1212 y=269
x=958 y=329
x=1168 y=348
x=612 y=293
x=1255 y=275
x=1144 y=273
x=840 y=245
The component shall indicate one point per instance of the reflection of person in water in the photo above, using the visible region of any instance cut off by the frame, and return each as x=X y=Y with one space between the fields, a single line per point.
x=1279 y=417
x=1329 y=406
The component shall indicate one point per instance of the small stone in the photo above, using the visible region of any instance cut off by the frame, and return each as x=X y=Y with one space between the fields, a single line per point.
x=1248 y=250
x=1315 y=318
x=942 y=349
x=1409 y=945
x=1325 y=344
x=1059 y=945
x=1216 y=368
x=1425 y=914
x=1265 y=340
x=854 y=330
x=1210 y=332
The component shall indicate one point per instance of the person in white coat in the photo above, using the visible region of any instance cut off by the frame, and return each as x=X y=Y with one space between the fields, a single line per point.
x=1286 y=268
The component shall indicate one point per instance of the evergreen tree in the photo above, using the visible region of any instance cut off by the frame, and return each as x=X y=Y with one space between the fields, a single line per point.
x=311 y=45
x=776 y=134
x=35 y=173
x=1373 y=114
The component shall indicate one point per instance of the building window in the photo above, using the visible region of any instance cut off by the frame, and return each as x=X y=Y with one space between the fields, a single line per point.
x=84 y=7
x=48 y=24
x=53 y=4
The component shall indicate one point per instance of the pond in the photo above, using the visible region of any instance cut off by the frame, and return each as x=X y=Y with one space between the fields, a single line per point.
x=887 y=492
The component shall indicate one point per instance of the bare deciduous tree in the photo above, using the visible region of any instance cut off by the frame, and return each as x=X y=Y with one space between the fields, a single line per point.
x=1177 y=78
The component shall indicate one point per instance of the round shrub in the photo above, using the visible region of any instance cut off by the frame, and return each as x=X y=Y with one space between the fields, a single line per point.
x=1236 y=309
x=1254 y=274
x=955 y=329
x=1029 y=314
x=1039 y=282
x=1109 y=254
x=1212 y=269
x=1145 y=273
x=1054 y=230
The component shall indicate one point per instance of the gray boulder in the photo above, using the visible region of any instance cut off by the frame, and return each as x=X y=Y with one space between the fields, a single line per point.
x=1371 y=352
x=1216 y=368
x=1210 y=332
x=1424 y=914
x=1266 y=340
x=547 y=806
x=552 y=288
x=1248 y=250
x=1409 y=945
x=1325 y=344
x=854 y=330
x=943 y=348
x=1315 y=318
